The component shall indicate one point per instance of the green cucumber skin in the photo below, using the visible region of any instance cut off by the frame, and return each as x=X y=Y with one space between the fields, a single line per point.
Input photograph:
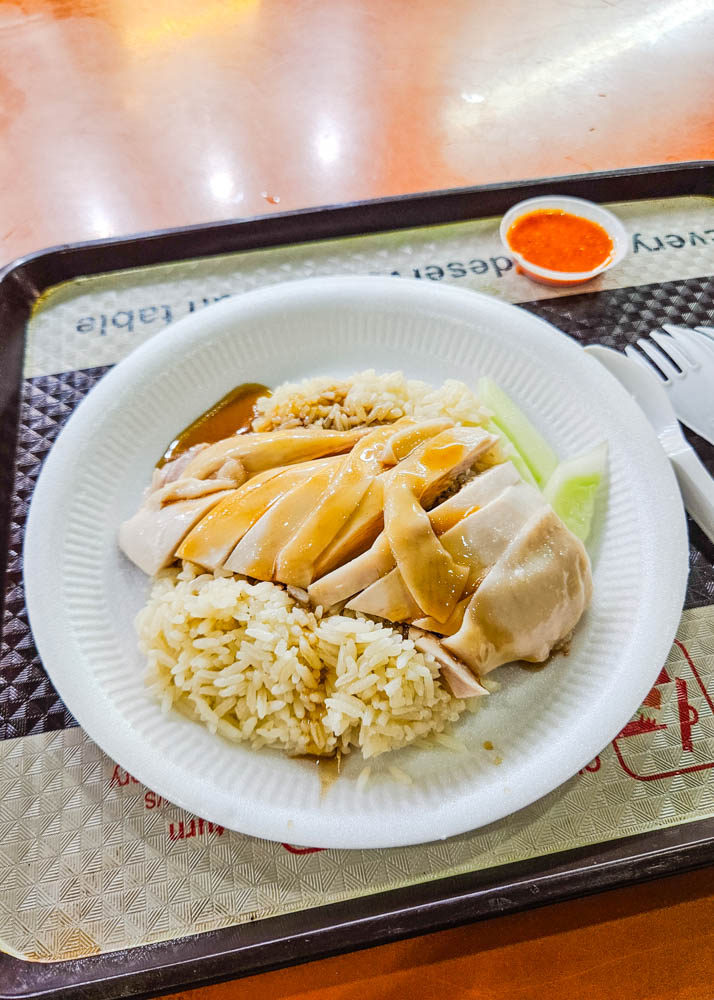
x=570 y=486
x=572 y=489
x=527 y=441
x=511 y=453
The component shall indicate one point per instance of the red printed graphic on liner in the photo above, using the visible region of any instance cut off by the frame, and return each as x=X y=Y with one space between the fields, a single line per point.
x=178 y=830
x=685 y=721
x=121 y=777
x=193 y=828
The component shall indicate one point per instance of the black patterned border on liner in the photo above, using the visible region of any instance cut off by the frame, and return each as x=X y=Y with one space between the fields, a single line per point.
x=29 y=703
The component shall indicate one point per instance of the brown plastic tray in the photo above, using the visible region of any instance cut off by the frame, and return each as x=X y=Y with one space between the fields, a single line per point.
x=327 y=930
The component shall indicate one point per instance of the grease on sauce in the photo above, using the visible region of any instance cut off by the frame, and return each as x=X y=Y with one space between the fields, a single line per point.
x=230 y=415
x=560 y=241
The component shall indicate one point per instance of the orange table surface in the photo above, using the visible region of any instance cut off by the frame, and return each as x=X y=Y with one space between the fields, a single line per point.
x=125 y=115
x=119 y=116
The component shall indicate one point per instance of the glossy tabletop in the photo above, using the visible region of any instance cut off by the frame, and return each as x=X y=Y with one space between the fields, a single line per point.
x=119 y=116
x=124 y=115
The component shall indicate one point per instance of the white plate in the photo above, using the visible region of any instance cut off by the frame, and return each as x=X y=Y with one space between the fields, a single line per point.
x=82 y=594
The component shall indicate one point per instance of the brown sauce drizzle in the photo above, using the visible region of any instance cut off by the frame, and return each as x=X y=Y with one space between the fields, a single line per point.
x=561 y=650
x=328 y=769
x=230 y=415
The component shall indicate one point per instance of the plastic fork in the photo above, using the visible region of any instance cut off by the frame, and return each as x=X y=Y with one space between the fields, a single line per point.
x=684 y=361
x=708 y=331
x=695 y=483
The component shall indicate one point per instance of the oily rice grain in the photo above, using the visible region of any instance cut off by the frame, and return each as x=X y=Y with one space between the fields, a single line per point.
x=253 y=664
x=365 y=398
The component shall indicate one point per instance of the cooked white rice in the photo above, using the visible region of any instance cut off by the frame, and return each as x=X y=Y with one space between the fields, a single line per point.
x=365 y=398
x=254 y=665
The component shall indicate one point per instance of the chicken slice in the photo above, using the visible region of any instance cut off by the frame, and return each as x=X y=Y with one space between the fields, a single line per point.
x=531 y=599
x=452 y=624
x=151 y=536
x=481 y=538
x=404 y=441
x=212 y=540
x=477 y=541
x=259 y=451
x=186 y=489
x=436 y=461
x=461 y=681
x=357 y=574
x=256 y=552
x=174 y=469
x=296 y=560
x=296 y=563
x=432 y=576
x=473 y=495
x=387 y=598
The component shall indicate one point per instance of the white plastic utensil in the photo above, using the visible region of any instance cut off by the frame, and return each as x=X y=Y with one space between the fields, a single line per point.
x=703 y=335
x=695 y=483
x=685 y=362
x=708 y=331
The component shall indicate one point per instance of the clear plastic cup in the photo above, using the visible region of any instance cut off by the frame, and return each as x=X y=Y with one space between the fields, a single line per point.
x=574 y=206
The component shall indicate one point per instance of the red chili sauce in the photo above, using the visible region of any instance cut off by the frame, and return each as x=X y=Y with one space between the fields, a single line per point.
x=230 y=415
x=560 y=241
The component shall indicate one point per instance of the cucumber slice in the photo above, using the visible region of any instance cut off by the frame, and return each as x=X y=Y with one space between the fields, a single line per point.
x=572 y=489
x=509 y=452
x=528 y=442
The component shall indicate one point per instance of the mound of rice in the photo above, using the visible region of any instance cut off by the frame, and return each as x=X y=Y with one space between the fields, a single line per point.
x=365 y=398
x=255 y=665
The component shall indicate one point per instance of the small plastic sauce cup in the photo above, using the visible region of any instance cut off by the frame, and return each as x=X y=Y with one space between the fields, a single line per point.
x=573 y=206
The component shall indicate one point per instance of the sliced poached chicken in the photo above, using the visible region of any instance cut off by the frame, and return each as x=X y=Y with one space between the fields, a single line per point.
x=462 y=682
x=432 y=577
x=436 y=462
x=215 y=536
x=403 y=441
x=257 y=551
x=151 y=536
x=531 y=599
x=377 y=561
x=296 y=560
x=476 y=542
x=174 y=469
x=368 y=459
x=259 y=451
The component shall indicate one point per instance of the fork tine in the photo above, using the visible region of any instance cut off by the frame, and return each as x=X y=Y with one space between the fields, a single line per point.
x=634 y=355
x=673 y=328
x=658 y=358
x=696 y=345
x=679 y=333
x=706 y=331
x=675 y=346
